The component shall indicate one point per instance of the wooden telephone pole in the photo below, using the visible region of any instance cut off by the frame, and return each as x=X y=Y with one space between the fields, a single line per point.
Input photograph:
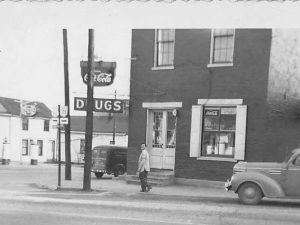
x=67 y=103
x=89 y=115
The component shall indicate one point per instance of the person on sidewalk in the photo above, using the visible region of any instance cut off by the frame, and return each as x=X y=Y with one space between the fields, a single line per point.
x=144 y=168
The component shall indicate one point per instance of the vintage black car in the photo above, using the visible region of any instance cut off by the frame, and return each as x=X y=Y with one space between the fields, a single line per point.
x=109 y=159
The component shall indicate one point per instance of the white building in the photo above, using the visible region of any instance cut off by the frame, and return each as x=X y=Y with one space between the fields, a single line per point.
x=102 y=134
x=21 y=131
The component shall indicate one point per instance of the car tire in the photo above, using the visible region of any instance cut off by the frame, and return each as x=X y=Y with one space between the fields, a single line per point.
x=99 y=174
x=250 y=193
x=119 y=170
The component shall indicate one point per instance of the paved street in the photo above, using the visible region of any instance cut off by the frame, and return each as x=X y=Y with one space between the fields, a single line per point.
x=28 y=193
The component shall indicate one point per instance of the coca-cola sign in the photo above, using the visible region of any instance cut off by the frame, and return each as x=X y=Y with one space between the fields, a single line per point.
x=103 y=73
x=28 y=108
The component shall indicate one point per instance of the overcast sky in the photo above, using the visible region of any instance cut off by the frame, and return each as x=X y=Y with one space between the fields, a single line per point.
x=31 y=57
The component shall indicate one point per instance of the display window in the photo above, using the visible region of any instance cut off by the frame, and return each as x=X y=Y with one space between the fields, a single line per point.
x=218 y=136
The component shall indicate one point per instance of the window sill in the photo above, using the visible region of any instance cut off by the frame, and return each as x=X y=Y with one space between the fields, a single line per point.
x=163 y=68
x=219 y=65
x=216 y=159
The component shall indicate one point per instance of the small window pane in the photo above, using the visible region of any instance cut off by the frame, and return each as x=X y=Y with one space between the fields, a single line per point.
x=40 y=147
x=165 y=47
x=25 y=123
x=24 y=147
x=171 y=130
x=157 y=130
x=46 y=125
x=223 y=45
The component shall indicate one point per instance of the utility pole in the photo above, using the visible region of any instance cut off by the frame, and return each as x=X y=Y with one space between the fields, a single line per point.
x=68 y=175
x=89 y=115
x=114 y=125
x=59 y=150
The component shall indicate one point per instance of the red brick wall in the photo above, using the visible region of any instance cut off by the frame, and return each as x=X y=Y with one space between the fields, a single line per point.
x=191 y=80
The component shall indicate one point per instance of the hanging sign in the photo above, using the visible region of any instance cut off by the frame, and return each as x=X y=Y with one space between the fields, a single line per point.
x=103 y=73
x=28 y=108
x=100 y=105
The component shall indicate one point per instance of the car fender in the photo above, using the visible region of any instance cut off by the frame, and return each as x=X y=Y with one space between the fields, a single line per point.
x=270 y=187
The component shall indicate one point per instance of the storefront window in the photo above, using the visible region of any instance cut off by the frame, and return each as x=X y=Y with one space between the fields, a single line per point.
x=219 y=131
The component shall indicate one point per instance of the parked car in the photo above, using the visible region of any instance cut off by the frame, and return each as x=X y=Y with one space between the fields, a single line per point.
x=254 y=180
x=109 y=159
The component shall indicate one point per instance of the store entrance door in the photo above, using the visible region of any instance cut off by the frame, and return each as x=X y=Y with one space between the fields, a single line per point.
x=162 y=130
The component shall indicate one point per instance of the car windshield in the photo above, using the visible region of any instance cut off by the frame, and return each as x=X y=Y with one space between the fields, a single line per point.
x=99 y=153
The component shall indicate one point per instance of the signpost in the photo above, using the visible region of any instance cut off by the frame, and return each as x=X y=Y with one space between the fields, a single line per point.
x=59 y=119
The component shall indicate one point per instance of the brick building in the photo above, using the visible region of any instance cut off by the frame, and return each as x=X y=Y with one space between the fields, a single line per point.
x=203 y=99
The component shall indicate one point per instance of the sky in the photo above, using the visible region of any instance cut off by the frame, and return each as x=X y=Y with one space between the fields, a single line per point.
x=31 y=41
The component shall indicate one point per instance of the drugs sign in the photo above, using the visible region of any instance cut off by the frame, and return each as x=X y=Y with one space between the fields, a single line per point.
x=100 y=105
x=103 y=73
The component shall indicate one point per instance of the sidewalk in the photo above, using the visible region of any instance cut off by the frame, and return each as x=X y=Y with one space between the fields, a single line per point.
x=108 y=183
x=46 y=177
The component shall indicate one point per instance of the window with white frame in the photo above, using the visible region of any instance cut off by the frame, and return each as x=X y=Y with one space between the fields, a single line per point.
x=46 y=125
x=40 y=147
x=222 y=46
x=25 y=123
x=25 y=147
x=164 y=47
x=218 y=131
x=218 y=136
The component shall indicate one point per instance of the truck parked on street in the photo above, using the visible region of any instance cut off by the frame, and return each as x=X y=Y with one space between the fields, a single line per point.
x=109 y=159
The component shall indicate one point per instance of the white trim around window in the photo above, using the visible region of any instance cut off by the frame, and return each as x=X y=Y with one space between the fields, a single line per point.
x=228 y=102
x=163 y=68
x=155 y=59
x=211 y=61
x=197 y=129
x=162 y=105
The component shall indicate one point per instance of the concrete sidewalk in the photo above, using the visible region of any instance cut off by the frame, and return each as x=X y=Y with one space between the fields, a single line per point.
x=110 y=184
x=183 y=187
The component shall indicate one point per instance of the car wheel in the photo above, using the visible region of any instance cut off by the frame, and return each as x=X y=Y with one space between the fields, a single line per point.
x=119 y=170
x=99 y=174
x=250 y=193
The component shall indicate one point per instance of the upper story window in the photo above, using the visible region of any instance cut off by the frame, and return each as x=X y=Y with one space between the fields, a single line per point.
x=46 y=125
x=222 y=46
x=164 y=48
x=25 y=123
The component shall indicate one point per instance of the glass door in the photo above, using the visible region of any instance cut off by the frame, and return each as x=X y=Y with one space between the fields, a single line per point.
x=162 y=128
